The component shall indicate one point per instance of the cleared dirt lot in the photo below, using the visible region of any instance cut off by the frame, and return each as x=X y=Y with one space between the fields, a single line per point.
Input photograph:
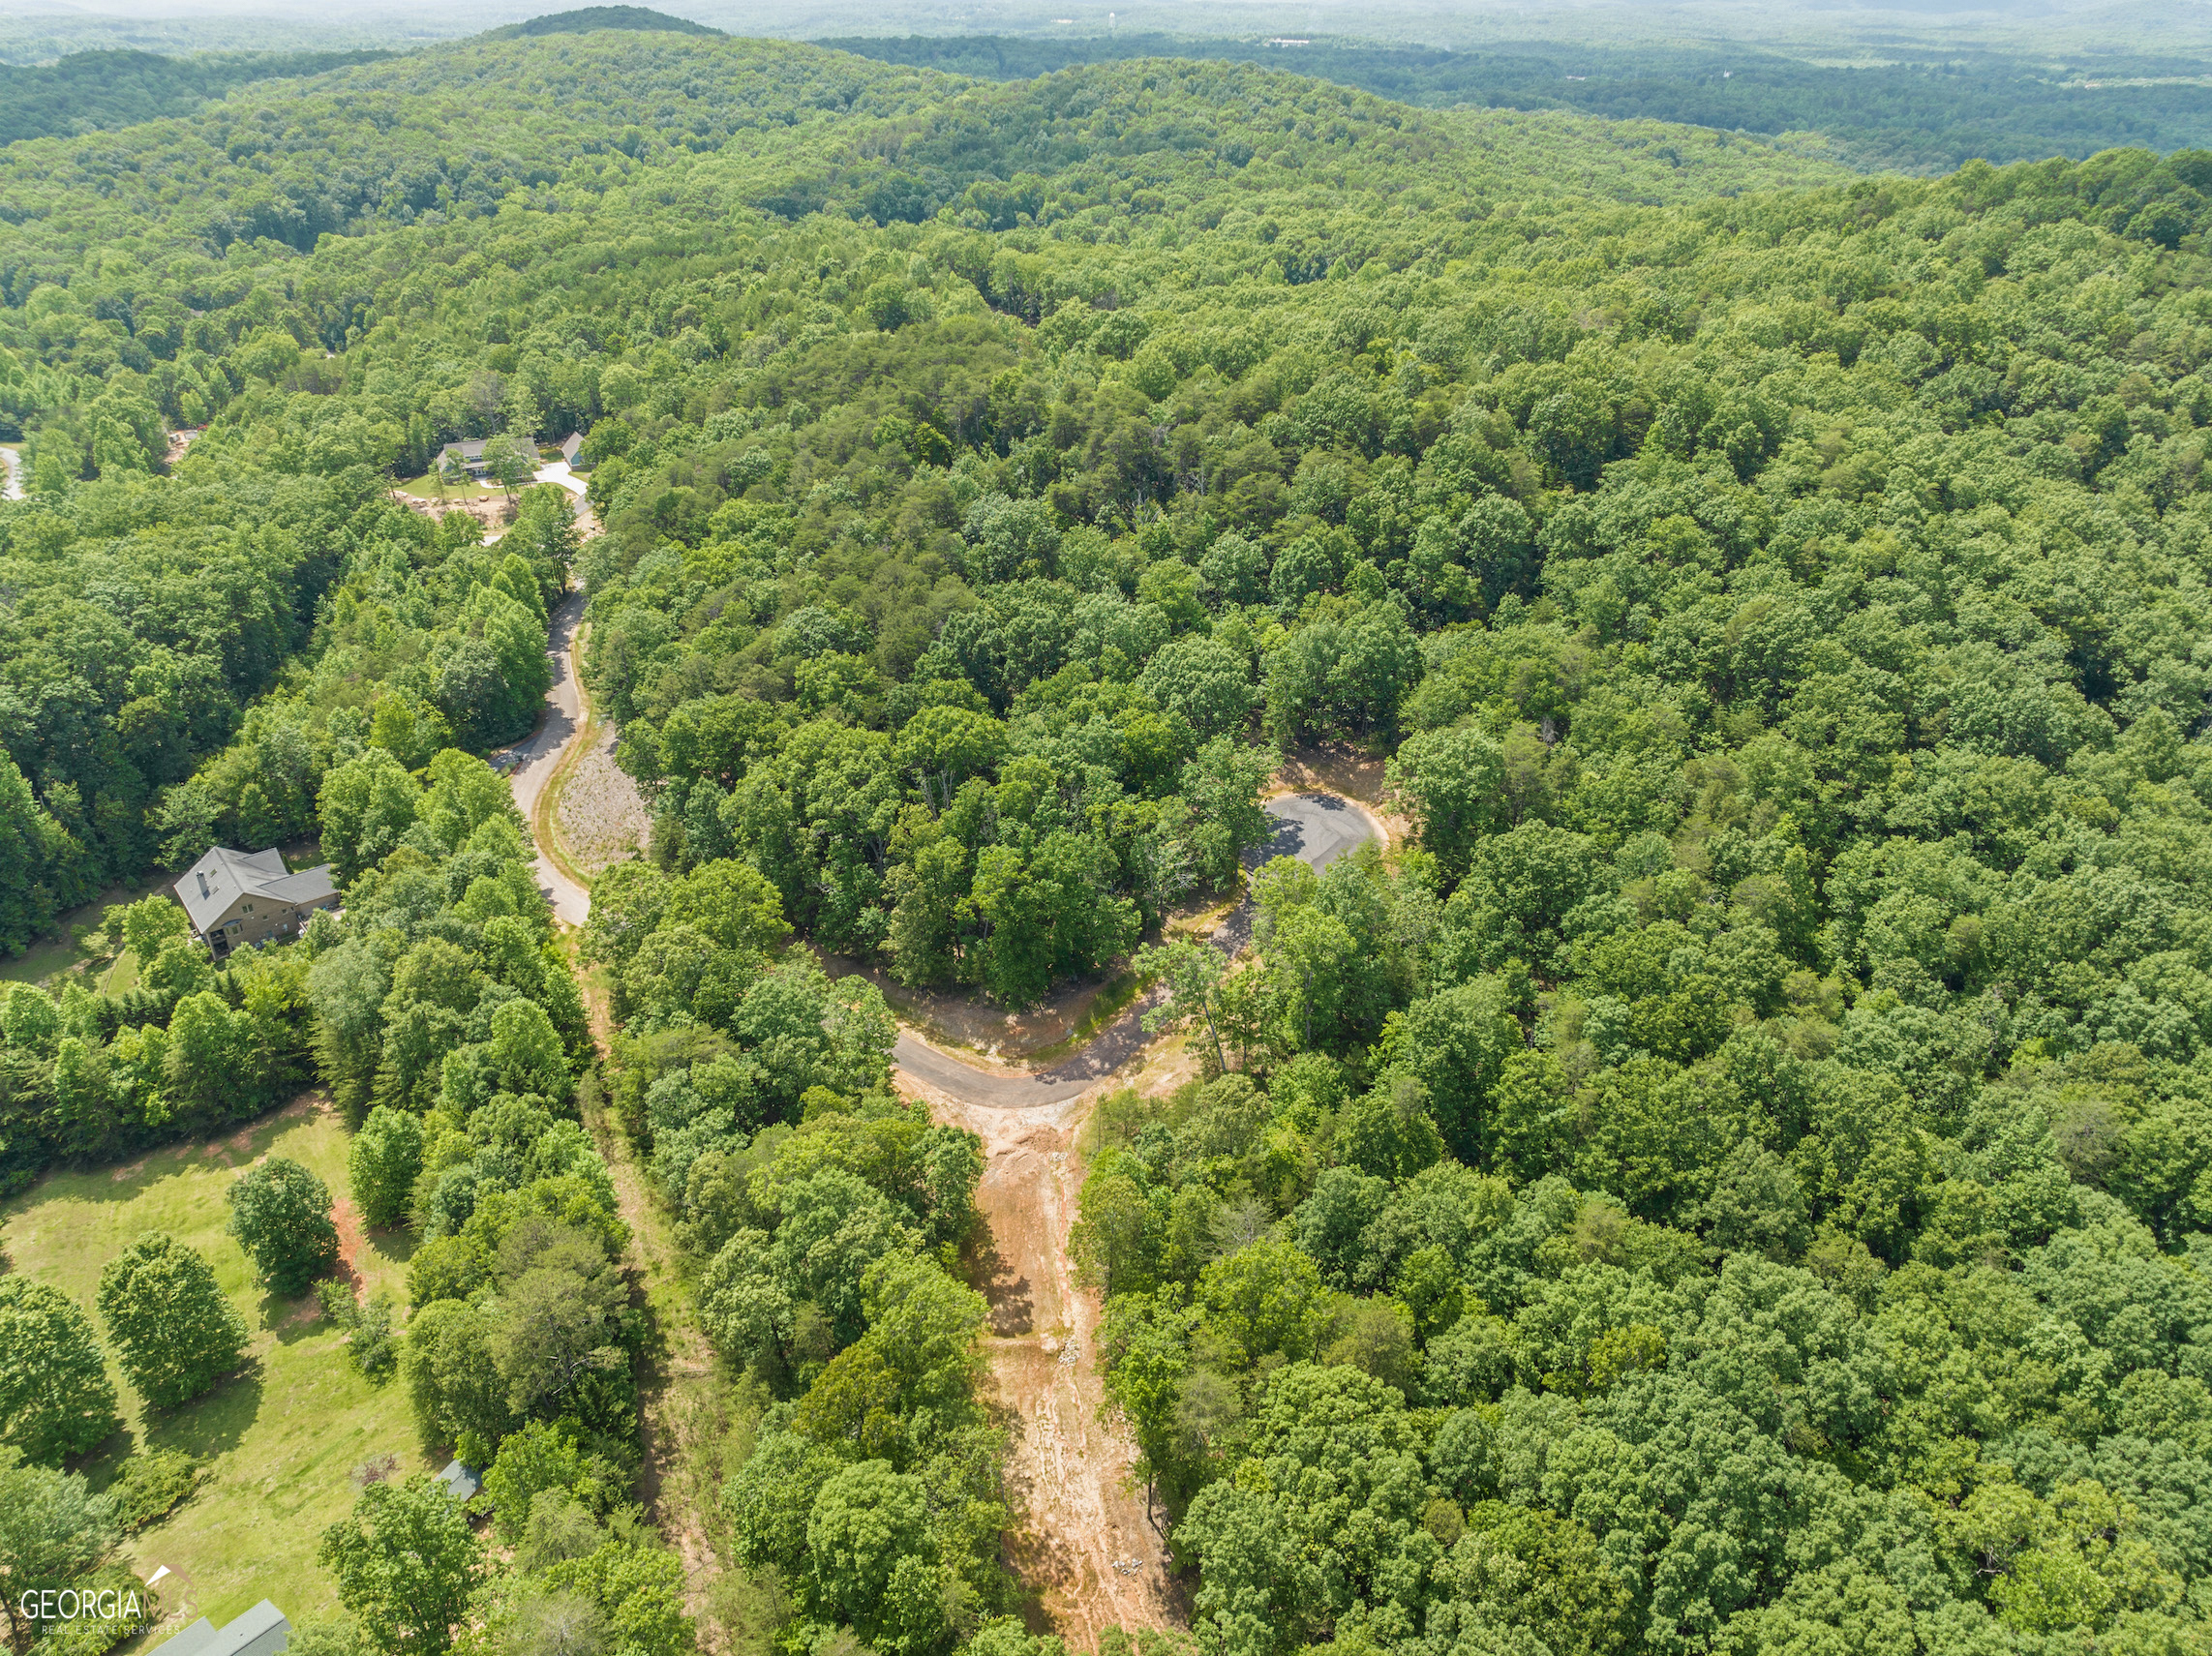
x=1085 y=1547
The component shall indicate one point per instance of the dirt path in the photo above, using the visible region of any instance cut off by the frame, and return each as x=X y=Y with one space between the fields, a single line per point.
x=684 y=1399
x=1084 y=1547
x=682 y=1394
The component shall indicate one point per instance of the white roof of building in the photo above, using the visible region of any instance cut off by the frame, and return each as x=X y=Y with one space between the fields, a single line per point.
x=222 y=876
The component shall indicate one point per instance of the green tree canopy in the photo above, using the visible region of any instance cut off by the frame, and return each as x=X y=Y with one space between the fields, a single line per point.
x=174 y=1330
x=54 y=1396
x=279 y=1212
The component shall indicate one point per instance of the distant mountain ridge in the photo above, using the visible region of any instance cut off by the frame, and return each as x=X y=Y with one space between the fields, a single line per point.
x=92 y=91
x=1905 y=115
x=593 y=17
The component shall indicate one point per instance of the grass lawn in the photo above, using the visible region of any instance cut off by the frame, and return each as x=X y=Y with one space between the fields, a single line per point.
x=120 y=976
x=283 y=1439
x=67 y=949
x=428 y=488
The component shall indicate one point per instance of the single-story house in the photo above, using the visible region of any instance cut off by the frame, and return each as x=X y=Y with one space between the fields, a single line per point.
x=238 y=897
x=470 y=454
x=261 y=1631
x=460 y=1482
x=571 y=446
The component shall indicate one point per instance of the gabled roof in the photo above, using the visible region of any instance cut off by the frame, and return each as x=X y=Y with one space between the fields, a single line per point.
x=222 y=876
x=460 y=1482
x=261 y=1631
x=471 y=449
x=571 y=446
x=308 y=886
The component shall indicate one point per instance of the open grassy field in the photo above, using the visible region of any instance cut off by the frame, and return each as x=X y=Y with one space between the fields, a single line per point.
x=427 y=486
x=285 y=1438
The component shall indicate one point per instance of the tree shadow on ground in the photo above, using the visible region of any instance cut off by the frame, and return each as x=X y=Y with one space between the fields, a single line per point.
x=292 y=1317
x=213 y=1425
x=232 y=1145
x=1012 y=1303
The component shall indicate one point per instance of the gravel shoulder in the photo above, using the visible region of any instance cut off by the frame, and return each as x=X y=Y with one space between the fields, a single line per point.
x=532 y=764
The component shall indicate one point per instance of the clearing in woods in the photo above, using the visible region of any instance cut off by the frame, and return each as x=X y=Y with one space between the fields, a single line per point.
x=287 y=1441
x=1086 y=1546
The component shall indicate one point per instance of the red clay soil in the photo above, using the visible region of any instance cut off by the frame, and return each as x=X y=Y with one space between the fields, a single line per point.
x=1083 y=1544
x=353 y=1239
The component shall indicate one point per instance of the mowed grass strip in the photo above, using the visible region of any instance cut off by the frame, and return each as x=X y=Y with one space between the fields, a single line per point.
x=285 y=1438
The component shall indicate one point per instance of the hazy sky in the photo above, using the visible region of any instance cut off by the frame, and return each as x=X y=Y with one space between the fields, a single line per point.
x=31 y=30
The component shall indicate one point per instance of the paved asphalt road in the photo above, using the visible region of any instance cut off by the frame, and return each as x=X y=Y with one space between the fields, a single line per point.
x=1317 y=827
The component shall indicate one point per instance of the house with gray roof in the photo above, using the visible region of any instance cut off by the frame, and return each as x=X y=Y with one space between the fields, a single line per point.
x=261 y=1631
x=236 y=897
x=468 y=453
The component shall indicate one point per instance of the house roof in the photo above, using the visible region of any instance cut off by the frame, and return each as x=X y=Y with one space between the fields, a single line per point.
x=471 y=449
x=222 y=876
x=572 y=445
x=461 y=1482
x=308 y=886
x=192 y=1641
x=250 y=1635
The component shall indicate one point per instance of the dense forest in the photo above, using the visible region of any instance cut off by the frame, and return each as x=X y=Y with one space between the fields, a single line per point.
x=443 y=1019
x=1970 y=103
x=1731 y=1176
x=87 y=91
x=591 y=19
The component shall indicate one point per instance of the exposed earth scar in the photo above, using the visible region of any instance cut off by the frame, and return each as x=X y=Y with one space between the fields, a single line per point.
x=1086 y=1545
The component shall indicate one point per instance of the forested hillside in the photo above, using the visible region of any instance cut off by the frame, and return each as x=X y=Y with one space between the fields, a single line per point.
x=87 y=91
x=1937 y=108
x=1731 y=1177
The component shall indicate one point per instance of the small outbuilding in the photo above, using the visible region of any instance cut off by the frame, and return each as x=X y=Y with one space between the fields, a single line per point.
x=261 y=1631
x=571 y=446
x=236 y=897
x=460 y=1482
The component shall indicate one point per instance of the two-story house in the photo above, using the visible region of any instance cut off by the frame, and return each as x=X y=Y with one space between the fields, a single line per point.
x=238 y=897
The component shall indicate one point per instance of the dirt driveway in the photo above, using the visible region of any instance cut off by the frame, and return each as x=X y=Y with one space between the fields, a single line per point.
x=1086 y=1545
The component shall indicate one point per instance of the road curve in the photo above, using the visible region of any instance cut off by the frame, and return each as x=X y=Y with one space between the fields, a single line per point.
x=531 y=764
x=1315 y=827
